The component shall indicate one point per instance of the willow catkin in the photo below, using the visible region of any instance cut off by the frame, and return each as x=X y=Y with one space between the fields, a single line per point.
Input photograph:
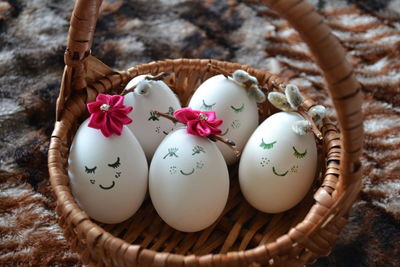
x=279 y=101
x=293 y=96
x=301 y=127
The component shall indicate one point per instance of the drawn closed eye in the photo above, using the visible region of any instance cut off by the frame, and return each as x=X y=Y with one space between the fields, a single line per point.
x=299 y=155
x=267 y=145
x=197 y=150
x=205 y=106
x=153 y=117
x=115 y=164
x=90 y=170
x=237 y=110
x=171 y=153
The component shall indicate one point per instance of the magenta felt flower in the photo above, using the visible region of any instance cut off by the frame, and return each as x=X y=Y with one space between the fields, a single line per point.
x=202 y=123
x=108 y=114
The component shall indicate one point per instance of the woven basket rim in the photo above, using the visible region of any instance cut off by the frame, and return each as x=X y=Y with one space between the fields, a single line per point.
x=77 y=217
x=85 y=76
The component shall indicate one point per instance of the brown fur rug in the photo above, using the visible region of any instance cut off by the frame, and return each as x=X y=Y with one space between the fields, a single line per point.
x=32 y=42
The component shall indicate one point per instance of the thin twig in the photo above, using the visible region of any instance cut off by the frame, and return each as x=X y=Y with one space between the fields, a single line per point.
x=302 y=111
x=212 y=137
x=165 y=115
x=247 y=85
x=159 y=77
x=128 y=90
x=314 y=127
x=227 y=142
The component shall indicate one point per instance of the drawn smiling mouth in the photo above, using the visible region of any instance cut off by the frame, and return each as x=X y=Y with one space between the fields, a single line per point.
x=109 y=187
x=279 y=174
x=189 y=173
x=226 y=131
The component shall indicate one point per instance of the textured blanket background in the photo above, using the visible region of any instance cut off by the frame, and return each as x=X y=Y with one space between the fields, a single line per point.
x=32 y=42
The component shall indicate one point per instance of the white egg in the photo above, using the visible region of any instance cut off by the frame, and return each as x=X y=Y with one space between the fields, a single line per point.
x=148 y=128
x=108 y=176
x=278 y=166
x=188 y=181
x=233 y=105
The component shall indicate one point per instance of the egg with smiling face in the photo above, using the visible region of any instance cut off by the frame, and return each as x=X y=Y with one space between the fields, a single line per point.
x=188 y=181
x=233 y=105
x=108 y=176
x=149 y=95
x=278 y=166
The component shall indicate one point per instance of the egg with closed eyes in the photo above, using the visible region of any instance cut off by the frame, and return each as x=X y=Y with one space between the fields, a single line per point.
x=232 y=104
x=278 y=166
x=188 y=181
x=150 y=95
x=108 y=176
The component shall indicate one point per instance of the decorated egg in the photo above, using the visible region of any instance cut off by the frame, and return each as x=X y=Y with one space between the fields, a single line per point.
x=108 y=170
x=278 y=165
x=234 y=105
x=108 y=175
x=150 y=95
x=188 y=181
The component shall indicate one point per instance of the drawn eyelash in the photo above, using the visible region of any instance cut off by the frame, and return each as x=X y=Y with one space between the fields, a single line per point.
x=153 y=117
x=171 y=111
x=237 y=110
x=299 y=155
x=115 y=164
x=265 y=145
x=90 y=170
x=197 y=150
x=171 y=153
x=207 y=107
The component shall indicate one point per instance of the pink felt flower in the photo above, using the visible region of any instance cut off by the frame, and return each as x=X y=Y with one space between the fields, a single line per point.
x=108 y=114
x=202 y=123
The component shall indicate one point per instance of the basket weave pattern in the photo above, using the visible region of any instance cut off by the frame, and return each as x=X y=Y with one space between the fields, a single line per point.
x=242 y=235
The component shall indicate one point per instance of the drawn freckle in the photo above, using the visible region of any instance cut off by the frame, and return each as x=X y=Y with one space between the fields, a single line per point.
x=172 y=170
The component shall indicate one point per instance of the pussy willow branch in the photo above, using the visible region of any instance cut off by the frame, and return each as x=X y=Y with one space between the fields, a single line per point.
x=314 y=128
x=227 y=74
x=165 y=115
x=302 y=111
x=212 y=137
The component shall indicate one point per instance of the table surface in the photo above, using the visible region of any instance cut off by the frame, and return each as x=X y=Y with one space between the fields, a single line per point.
x=32 y=43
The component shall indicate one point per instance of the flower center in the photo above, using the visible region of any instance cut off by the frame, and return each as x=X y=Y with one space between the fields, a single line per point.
x=203 y=117
x=104 y=107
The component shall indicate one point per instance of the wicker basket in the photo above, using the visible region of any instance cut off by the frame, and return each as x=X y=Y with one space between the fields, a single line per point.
x=242 y=236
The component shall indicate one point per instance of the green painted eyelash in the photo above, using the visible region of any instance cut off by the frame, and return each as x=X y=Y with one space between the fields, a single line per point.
x=197 y=149
x=90 y=170
x=115 y=164
x=207 y=107
x=171 y=153
x=267 y=146
x=237 y=110
x=299 y=155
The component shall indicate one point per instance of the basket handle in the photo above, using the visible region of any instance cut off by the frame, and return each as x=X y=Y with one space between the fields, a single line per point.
x=328 y=52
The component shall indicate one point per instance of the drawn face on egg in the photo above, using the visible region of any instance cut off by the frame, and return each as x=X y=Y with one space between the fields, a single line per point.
x=150 y=95
x=113 y=172
x=235 y=109
x=153 y=117
x=296 y=154
x=196 y=158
